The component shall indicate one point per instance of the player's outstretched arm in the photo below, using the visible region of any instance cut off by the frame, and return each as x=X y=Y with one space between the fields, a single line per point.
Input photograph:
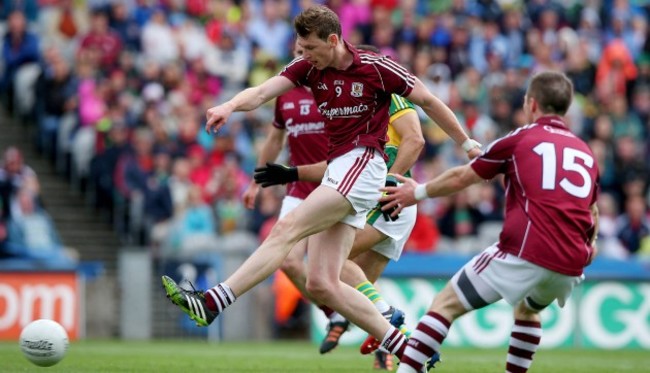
x=270 y=150
x=246 y=100
x=410 y=192
x=444 y=117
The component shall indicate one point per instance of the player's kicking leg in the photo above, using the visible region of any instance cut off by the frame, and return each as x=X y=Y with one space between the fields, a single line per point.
x=319 y=211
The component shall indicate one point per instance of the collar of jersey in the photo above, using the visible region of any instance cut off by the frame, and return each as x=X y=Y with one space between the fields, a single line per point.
x=551 y=120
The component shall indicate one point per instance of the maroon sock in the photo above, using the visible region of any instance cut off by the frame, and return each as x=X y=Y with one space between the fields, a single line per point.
x=425 y=340
x=219 y=298
x=524 y=340
x=328 y=311
x=209 y=302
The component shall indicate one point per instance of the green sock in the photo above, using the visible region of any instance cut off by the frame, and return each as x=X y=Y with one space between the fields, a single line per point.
x=404 y=330
x=368 y=289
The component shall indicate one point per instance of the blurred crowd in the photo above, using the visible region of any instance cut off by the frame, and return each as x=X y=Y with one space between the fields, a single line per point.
x=118 y=92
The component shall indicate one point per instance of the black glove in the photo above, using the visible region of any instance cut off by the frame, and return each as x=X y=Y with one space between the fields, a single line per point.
x=274 y=174
x=391 y=181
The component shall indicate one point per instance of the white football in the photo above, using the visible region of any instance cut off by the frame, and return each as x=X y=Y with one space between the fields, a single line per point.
x=44 y=342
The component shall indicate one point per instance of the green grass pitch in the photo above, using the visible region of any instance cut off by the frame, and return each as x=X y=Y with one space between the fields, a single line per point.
x=185 y=357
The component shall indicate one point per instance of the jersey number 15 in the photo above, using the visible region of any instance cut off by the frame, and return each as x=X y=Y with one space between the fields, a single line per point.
x=569 y=155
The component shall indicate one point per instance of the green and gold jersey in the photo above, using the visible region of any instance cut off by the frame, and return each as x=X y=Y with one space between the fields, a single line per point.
x=398 y=107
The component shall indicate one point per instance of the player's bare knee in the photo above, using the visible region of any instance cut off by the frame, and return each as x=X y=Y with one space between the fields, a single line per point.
x=320 y=288
x=448 y=305
x=285 y=230
x=292 y=266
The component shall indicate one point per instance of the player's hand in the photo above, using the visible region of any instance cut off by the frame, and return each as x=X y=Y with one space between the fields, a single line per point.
x=473 y=148
x=216 y=117
x=274 y=174
x=397 y=197
x=250 y=194
x=391 y=181
x=474 y=153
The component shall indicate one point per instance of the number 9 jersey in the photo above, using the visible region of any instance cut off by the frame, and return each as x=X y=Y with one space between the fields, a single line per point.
x=551 y=180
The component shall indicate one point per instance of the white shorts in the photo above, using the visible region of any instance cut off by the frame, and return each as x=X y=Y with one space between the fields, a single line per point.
x=357 y=175
x=494 y=274
x=288 y=204
x=398 y=231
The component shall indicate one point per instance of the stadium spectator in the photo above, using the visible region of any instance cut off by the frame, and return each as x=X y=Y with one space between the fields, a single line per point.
x=459 y=219
x=125 y=26
x=175 y=192
x=14 y=176
x=229 y=61
x=158 y=205
x=483 y=45
x=624 y=122
x=202 y=85
x=615 y=71
x=231 y=181
x=62 y=23
x=633 y=226
x=193 y=230
x=103 y=165
x=131 y=174
x=56 y=91
x=101 y=42
x=93 y=109
x=269 y=30
x=20 y=48
x=32 y=234
x=608 y=243
x=479 y=125
x=158 y=41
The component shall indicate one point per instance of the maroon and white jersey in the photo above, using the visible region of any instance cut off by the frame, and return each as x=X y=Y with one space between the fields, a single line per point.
x=296 y=113
x=551 y=180
x=355 y=101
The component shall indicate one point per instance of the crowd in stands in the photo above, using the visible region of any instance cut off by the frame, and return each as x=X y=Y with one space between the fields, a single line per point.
x=118 y=91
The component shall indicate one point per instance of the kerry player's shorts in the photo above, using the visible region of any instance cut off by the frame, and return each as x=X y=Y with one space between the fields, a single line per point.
x=357 y=175
x=495 y=274
x=398 y=231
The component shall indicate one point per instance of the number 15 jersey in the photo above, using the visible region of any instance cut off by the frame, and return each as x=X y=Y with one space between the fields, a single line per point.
x=551 y=180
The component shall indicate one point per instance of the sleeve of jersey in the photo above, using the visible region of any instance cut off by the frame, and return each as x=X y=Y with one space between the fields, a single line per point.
x=297 y=71
x=494 y=159
x=398 y=107
x=394 y=77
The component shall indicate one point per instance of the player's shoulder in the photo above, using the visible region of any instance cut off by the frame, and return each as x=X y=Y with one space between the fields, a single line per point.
x=524 y=130
x=378 y=60
x=297 y=63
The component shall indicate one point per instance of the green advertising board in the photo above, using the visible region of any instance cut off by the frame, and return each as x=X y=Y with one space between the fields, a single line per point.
x=609 y=314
